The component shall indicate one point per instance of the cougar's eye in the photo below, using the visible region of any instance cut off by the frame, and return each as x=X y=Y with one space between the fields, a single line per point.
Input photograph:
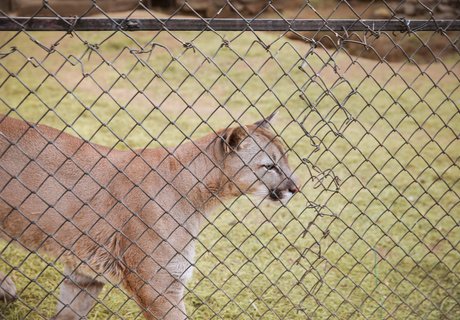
x=269 y=166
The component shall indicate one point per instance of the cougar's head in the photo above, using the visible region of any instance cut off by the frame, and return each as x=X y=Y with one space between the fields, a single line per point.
x=255 y=162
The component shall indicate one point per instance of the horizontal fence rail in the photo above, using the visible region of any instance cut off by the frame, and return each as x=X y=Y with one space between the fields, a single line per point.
x=176 y=24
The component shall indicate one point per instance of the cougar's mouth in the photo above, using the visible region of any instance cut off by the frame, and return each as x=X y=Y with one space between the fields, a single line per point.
x=282 y=195
x=276 y=195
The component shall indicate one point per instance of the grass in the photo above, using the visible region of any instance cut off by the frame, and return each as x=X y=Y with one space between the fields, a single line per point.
x=373 y=234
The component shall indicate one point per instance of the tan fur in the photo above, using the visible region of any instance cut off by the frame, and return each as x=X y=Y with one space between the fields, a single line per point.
x=126 y=217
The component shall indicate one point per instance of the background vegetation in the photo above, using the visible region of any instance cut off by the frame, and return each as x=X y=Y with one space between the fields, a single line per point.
x=374 y=232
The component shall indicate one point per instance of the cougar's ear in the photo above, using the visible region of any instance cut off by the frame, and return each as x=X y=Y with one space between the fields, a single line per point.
x=233 y=139
x=265 y=123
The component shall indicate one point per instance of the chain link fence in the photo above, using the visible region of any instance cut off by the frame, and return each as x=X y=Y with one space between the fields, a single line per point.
x=138 y=177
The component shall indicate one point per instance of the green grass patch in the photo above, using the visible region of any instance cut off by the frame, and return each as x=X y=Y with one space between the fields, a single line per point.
x=374 y=232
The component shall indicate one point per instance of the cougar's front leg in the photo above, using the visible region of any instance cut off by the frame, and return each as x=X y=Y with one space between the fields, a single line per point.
x=77 y=297
x=161 y=298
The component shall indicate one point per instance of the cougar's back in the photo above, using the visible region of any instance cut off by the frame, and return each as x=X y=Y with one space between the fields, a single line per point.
x=53 y=188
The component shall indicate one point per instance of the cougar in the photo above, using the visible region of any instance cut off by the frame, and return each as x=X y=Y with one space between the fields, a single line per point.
x=127 y=218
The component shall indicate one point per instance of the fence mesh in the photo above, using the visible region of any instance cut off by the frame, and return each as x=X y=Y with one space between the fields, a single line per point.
x=369 y=119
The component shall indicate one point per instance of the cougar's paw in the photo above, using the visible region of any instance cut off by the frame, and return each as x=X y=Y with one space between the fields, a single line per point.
x=7 y=290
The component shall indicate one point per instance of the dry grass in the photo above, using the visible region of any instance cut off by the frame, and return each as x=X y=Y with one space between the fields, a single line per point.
x=385 y=244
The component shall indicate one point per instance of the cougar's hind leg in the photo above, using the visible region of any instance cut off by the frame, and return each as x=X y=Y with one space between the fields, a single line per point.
x=77 y=297
x=7 y=289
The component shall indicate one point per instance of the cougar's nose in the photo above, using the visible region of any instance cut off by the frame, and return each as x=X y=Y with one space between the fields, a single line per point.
x=292 y=187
